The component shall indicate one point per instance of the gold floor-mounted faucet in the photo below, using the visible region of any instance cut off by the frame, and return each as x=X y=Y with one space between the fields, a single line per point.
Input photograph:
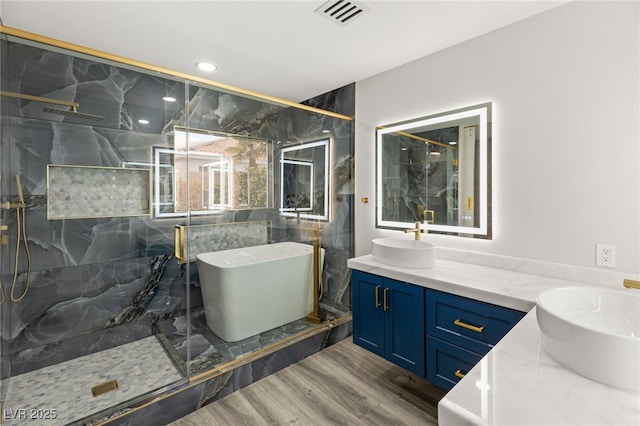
x=316 y=239
x=417 y=231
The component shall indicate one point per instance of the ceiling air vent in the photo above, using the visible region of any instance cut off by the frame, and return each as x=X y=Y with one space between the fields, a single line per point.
x=342 y=12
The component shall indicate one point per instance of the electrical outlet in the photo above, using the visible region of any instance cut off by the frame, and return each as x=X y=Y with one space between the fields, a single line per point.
x=606 y=255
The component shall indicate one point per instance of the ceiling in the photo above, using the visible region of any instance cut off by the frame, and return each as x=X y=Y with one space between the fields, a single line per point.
x=278 y=48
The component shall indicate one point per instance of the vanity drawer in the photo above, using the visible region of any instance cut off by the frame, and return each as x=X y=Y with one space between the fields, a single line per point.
x=447 y=363
x=469 y=324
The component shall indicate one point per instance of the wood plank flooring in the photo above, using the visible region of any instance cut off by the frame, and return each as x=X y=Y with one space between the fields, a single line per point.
x=341 y=385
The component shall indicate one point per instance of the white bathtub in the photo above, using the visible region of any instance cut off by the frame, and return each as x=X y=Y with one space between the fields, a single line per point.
x=250 y=290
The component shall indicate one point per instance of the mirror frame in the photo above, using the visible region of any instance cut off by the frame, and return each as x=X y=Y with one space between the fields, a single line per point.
x=484 y=113
x=286 y=211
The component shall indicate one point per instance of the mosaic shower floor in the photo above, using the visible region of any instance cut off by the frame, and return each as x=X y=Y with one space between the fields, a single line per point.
x=40 y=398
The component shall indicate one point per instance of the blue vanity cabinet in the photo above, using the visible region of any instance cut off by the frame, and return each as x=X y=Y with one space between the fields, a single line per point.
x=388 y=319
x=460 y=332
x=368 y=317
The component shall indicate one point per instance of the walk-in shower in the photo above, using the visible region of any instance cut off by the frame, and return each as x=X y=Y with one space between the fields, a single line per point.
x=103 y=316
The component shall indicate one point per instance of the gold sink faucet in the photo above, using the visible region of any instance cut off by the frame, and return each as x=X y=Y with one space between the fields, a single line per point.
x=417 y=231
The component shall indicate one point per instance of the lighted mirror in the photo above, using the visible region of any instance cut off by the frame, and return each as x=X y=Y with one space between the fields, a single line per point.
x=207 y=172
x=304 y=180
x=436 y=170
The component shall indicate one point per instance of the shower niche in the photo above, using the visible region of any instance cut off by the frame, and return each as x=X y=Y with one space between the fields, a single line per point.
x=76 y=192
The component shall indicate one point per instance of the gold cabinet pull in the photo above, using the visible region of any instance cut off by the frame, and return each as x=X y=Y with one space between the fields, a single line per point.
x=377 y=296
x=468 y=326
x=459 y=374
x=384 y=299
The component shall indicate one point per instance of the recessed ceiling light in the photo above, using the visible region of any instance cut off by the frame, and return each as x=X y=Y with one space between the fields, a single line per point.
x=142 y=121
x=453 y=143
x=169 y=99
x=205 y=66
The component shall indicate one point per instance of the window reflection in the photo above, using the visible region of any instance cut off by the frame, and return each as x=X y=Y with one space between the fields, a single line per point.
x=207 y=173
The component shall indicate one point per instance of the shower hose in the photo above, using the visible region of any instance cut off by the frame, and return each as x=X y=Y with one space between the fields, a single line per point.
x=21 y=236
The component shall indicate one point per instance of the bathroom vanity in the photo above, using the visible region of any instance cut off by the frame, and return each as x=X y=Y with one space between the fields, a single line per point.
x=509 y=382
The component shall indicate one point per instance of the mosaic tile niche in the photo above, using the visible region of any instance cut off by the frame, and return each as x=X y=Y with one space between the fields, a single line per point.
x=76 y=192
x=215 y=237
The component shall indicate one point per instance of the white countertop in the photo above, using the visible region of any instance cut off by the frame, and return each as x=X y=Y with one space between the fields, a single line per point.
x=516 y=383
x=515 y=290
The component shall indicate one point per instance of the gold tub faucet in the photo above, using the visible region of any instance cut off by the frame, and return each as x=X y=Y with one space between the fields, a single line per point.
x=316 y=238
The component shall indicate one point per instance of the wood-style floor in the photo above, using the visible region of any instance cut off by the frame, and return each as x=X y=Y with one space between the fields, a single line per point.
x=341 y=385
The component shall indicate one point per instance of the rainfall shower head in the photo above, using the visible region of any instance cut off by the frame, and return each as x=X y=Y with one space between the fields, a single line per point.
x=71 y=112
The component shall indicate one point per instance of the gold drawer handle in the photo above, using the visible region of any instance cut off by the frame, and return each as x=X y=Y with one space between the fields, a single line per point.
x=377 y=296
x=459 y=374
x=468 y=326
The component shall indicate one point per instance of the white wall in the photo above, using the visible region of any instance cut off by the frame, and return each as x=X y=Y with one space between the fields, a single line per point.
x=566 y=131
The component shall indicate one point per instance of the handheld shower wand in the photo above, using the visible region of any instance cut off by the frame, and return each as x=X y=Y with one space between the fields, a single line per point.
x=19 y=185
x=21 y=236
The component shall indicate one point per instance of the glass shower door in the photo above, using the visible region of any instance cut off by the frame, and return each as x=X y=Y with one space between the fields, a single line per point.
x=5 y=369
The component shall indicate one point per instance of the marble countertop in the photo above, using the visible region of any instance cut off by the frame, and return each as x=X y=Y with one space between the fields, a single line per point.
x=516 y=383
x=515 y=290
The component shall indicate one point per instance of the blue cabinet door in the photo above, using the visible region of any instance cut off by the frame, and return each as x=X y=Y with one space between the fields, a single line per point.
x=368 y=314
x=388 y=319
x=405 y=328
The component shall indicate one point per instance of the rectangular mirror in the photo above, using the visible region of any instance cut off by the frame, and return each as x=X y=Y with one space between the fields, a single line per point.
x=304 y=180
x=208 y=172
x=297 y=186
x=436 y=170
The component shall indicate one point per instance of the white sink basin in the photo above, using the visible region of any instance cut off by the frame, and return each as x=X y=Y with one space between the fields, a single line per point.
x=404 y=253
x=594 y=332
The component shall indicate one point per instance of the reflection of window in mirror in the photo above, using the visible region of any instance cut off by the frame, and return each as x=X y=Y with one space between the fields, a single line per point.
x=305 y=180
x=297 y=186
x=208 y=172
x=435 y=170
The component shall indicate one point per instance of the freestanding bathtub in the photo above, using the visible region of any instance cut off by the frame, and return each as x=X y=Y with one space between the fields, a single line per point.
x=250 y=290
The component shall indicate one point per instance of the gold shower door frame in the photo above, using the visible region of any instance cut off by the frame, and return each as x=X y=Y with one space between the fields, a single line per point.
x=5 y=257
